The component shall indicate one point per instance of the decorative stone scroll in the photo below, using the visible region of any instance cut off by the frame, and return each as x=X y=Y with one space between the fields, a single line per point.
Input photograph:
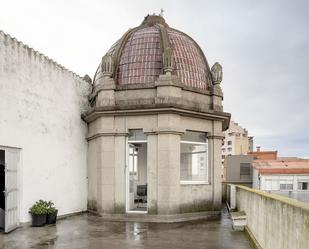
x=216 y=73
x=107 y=65
x=168 y=61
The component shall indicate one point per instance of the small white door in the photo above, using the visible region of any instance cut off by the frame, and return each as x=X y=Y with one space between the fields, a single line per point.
x=11 y=191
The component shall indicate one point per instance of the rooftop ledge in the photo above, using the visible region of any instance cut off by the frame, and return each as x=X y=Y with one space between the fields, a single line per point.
x=286 y=200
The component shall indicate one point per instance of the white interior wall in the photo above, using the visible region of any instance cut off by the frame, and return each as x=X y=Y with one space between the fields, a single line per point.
x=40 y=106
x=142 y=167
x=142 y=164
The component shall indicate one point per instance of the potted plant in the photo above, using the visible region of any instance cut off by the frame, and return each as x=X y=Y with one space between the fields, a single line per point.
x=39 y=213
x=51 y=213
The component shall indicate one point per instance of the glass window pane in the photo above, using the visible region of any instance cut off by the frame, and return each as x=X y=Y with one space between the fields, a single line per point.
x=193 y=163
x=131 y=164
x=303 y=185
x=135 y=167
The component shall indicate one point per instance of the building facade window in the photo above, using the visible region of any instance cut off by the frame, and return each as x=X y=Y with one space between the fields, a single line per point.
x=245 y=170
x=229 y=142
x=286 y=186
x=193 y=158
x=303 y=185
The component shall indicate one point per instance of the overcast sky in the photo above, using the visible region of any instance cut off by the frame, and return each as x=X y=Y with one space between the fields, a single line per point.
x=262 y=45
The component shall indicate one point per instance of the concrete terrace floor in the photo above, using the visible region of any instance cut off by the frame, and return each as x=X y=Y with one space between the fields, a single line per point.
x=89 y=231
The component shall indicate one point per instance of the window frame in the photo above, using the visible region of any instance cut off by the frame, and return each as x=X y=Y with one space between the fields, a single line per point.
x=200 y=182
x=286 y=185
x=134 y=171
x=301 y=182
x=244 y=166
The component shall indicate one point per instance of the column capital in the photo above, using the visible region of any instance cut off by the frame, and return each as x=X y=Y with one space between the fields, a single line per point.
x=107 y=133
x=164 y=130
x=215 y=135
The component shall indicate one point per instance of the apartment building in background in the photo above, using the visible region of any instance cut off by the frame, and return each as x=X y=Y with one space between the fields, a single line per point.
x=236 y=141
x=237 y=169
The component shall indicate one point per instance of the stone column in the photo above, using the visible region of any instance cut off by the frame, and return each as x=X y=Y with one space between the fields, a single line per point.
x=168 y=172
x=101 y=165
x=215 y=147
x=120 y=173
x=168 y=163
x=106 y=169
x=152 y=172
x=106 y=173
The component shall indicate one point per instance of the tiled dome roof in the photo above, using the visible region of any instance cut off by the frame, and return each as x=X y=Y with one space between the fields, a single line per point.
x=137 y=57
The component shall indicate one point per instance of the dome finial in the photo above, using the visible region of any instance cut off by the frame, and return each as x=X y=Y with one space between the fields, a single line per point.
x=216 y=73
x=161 y=12
x=107 y=65
x=151 y=20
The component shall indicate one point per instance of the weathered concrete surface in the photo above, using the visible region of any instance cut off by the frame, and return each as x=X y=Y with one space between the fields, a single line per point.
x=88 y=231
x=274 y=221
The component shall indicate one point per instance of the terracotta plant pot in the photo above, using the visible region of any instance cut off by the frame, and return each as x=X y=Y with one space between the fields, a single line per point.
x=52 y=218
x=38 y=220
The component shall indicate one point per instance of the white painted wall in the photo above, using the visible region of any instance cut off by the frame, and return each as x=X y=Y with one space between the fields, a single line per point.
x=271 y=183
x=255 y=179
x=40 y=112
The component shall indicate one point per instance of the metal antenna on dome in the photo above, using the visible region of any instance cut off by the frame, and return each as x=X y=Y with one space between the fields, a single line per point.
x=161 y=12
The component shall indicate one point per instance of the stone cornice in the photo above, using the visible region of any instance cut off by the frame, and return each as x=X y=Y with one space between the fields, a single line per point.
x=101 y=134
x=215 y=137
x=138 y=86
x=160 y=131
x=212 y=115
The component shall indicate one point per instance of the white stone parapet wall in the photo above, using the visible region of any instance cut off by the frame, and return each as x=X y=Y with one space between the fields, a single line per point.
x=40 y=112
x=274 y=221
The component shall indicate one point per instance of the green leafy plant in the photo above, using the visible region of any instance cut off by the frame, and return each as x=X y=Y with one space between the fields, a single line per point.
x=43 y=207
x=51 y=207
x=40 y=207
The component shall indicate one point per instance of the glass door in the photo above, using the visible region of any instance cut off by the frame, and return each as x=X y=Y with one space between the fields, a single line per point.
x=137 y=172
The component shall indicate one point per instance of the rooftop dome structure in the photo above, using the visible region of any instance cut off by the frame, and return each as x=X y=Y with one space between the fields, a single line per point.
x=151 y=49
x=155 y=114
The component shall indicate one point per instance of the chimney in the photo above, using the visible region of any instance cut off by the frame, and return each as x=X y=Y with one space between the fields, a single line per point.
x=258 y=148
